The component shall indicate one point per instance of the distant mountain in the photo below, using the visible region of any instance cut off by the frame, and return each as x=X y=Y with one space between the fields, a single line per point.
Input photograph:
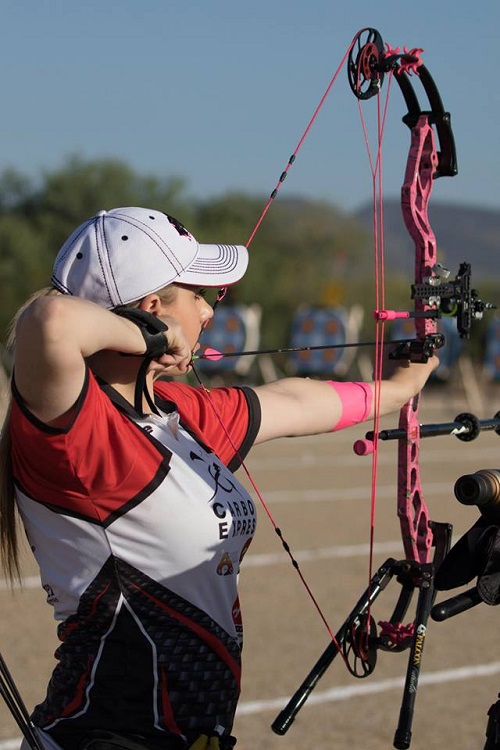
x=463 y=234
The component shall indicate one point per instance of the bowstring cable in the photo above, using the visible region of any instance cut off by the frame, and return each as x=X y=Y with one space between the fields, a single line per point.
x=300 y=143
x=265 y=506
x=220 y=296
x=379 y=274
x=222 y=292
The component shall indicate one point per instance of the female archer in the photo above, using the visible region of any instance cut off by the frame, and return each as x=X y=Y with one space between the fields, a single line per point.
x=124 y=482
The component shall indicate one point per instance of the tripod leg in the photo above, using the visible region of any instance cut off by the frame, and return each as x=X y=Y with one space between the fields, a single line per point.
x=402 y=737
x=427 y=594
x=14 y=702
x=378 y=583
x=493 y=727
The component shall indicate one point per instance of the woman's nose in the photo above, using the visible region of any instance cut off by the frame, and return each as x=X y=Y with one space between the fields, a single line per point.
x=207 y=312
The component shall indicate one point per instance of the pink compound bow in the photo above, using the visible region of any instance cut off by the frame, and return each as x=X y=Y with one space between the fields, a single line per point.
x=368 y=63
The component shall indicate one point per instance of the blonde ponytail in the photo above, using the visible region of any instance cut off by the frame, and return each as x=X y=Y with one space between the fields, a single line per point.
x=9 y=548
x=9 y=516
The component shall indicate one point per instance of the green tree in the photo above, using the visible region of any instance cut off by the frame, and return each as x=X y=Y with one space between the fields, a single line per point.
x=304 y=252
x=36 y=217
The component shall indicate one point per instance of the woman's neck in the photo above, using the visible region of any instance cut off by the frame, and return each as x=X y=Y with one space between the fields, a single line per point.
x=120 y=372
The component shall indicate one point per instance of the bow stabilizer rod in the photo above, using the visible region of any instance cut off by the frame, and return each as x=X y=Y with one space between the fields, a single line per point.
x=465 y=427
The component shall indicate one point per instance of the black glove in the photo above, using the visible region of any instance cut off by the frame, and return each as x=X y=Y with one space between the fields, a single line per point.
x=476 y=554
x=150 y=326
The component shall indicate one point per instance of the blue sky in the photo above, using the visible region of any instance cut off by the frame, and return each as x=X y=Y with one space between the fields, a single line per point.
x=219 y=92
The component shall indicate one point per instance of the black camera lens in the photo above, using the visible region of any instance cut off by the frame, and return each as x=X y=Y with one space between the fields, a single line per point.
x=481 y=488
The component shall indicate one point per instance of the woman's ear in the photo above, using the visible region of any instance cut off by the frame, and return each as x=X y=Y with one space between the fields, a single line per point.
x=151 y=303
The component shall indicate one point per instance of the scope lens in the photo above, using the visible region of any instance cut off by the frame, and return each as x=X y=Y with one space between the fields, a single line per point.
x=481 y=488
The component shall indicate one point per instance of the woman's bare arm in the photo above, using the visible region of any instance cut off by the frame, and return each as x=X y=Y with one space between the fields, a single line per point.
x=55 y=334
x=301 y=406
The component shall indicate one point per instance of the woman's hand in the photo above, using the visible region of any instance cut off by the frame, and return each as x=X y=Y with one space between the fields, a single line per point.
x=178 y=358
x=410 y=377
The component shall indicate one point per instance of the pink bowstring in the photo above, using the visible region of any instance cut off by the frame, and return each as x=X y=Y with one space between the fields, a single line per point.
x=215 y=354
x=300 y=143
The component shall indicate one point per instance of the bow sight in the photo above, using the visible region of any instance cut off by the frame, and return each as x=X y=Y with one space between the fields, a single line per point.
x=454 y=299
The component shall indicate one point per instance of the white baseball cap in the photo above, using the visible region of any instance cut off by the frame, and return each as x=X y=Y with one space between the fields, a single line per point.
x=120 y=256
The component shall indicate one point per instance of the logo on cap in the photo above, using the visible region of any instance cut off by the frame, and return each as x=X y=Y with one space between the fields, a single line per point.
x=177 y=224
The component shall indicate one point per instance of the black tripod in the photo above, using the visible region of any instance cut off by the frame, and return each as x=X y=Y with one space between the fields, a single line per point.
x=15 y=704
x=493 y=727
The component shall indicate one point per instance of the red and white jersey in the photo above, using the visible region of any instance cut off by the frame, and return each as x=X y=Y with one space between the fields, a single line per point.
x=139 y=527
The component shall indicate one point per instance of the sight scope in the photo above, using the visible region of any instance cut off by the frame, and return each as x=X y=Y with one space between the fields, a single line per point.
x=481 y=488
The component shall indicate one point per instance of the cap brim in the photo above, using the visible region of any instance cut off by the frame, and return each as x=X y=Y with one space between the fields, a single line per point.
x=216 y=265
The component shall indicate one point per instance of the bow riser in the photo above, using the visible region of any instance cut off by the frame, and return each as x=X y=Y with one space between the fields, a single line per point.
x=415 y=195
x=413 y=513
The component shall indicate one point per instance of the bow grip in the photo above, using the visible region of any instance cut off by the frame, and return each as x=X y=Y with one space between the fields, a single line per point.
x=418 y=350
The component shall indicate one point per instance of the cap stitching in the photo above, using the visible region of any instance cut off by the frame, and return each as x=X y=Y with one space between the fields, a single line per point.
x=157 y=239
x=229 y=254
x=110 y=265
x=83 y=228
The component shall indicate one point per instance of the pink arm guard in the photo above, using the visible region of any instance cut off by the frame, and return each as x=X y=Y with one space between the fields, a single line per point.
x=356 y=399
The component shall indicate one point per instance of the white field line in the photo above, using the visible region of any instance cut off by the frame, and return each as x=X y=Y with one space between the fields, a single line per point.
x=264 y=560
x=305 y=496
x=361 y=492
x=267 y=559
x=309 y=459
x=328 y=495
x=368 y=688
x=346 y=692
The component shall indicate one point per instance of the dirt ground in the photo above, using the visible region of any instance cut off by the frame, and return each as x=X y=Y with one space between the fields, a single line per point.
x=319 y=494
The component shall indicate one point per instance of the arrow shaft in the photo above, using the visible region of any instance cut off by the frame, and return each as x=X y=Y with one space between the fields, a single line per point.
x=214 y=357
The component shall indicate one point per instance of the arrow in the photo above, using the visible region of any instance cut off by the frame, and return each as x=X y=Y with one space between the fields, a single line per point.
x=213 y=355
